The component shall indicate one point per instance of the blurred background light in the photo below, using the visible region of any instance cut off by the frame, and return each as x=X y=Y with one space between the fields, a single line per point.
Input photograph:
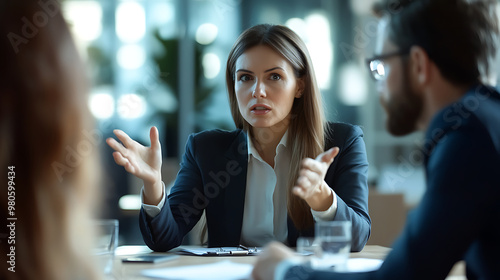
x=163 y=16
x=131 y=57
x=211 y=65
x=84 y=18
x=353 y=87
x=298 y=25
x=101 y=104
x=362 y=7
x=320 y=46
x=131 y=106
x=206 y=33
x=315 y=32
x=163 y=12
x=381 y=69
x=163 y=100
x=130 y=21
x=130 y=202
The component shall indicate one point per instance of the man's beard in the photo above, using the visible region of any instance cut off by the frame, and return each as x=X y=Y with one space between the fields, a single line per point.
x=403 y=109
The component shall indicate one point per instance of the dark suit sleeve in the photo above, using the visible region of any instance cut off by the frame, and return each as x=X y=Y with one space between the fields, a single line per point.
x=182 y=210
x=458 y=206
x=347 y=176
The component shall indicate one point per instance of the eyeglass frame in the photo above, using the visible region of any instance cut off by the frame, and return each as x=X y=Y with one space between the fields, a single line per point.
x=381 y=58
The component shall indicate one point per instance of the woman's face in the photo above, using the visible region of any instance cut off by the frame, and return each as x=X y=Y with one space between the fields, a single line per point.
x=265 y=87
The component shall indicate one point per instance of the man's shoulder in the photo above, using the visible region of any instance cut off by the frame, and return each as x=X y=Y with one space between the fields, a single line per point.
x=476 y=115
x=484 y=104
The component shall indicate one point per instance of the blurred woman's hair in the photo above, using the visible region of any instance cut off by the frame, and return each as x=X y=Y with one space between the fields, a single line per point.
x=46 y=140
x=306 y=131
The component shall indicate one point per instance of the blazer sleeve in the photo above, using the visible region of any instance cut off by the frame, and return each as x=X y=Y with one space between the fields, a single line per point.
x=182 y=210
x=348 y=177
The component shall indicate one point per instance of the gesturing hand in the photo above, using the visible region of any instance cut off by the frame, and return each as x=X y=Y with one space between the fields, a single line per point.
x=142 y=162
x=311 y=185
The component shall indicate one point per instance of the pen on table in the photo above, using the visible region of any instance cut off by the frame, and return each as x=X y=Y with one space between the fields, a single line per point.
x=250 y=250
x=245 y=251
x=218 y=253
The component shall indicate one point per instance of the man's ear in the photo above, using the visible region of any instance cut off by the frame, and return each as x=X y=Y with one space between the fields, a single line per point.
x=420 y=66
x=300 y=88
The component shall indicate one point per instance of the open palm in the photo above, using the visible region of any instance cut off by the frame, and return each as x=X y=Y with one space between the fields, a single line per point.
x=142 y=162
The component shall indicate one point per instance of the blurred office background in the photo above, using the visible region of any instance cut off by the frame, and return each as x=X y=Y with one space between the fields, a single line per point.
x=162 y=63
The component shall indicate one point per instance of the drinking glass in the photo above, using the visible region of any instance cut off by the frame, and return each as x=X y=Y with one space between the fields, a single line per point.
x=334 y=238
x=308 y=248
x=106 y=241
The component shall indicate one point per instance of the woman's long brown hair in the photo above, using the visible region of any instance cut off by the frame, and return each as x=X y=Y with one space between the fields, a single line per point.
x=43 y=123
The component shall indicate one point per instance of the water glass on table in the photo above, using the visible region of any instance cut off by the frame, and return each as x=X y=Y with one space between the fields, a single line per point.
x=105 y=243
x=334 y=239
x=308 y=248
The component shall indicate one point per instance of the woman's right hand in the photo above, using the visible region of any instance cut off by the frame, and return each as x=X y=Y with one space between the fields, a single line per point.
x=142 y=162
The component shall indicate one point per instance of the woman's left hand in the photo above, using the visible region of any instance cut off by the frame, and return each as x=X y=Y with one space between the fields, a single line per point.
x=311 y=185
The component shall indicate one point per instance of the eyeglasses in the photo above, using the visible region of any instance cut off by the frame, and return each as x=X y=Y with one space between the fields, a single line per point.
x=377 y=66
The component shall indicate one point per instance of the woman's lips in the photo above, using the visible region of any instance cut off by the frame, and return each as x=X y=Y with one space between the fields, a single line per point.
x=260 y=110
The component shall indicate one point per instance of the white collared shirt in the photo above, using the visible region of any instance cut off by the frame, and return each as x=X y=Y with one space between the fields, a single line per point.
x=266 y=193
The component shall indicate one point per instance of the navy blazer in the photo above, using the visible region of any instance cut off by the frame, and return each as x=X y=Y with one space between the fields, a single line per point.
x=212 y=178
x=459 y=215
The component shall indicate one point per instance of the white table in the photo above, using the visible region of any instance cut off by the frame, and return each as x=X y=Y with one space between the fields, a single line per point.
x=132 y=271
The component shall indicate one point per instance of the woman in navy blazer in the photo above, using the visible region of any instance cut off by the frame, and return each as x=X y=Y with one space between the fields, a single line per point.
x=248 y=181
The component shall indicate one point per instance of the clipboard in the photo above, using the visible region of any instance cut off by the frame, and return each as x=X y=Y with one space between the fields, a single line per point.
x=221 y=251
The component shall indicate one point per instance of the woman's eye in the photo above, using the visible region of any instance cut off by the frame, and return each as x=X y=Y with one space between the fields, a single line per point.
x=275 y=77
x=244 y=78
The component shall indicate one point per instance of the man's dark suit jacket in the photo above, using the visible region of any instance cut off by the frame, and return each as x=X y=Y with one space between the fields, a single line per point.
x=213 y=177
x=459 y=215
